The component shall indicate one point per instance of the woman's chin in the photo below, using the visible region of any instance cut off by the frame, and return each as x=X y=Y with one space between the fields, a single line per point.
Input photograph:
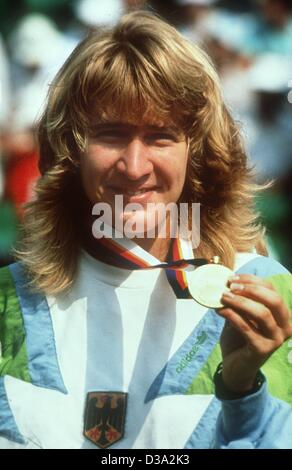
x=141 y=224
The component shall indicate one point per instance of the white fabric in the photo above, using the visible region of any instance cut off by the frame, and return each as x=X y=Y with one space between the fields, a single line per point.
x=115 y=330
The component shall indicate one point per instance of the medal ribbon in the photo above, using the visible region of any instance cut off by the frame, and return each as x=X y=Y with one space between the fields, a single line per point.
x=124 y=253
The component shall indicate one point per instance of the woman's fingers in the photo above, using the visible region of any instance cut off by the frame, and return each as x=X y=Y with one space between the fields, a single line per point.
x=250 y=279
x=247 y=330
x=265 y=296
x=254 y=313
x=253 y=308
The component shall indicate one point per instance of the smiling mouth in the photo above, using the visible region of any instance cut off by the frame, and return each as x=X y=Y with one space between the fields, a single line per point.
x=130 y=192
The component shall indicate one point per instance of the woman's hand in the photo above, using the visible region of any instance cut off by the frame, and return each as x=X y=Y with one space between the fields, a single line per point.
x=257 y=323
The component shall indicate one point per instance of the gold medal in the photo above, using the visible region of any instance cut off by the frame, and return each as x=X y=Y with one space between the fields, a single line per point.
x=207 y=283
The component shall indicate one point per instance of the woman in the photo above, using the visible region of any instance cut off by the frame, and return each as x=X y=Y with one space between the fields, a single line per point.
x=106 y=328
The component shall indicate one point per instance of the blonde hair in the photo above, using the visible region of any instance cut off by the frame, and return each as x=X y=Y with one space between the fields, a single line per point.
x=142 y=65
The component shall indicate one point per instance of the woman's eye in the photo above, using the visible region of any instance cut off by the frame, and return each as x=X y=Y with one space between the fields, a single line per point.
x=109 y=135
x=161 y=136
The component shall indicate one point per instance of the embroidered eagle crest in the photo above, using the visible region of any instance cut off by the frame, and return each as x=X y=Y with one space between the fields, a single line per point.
x=105 y=417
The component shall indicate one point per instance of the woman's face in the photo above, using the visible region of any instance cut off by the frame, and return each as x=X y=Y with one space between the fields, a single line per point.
x=143 y=163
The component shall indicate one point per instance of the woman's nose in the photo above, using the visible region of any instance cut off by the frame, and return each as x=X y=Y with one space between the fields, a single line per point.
x=134 y=161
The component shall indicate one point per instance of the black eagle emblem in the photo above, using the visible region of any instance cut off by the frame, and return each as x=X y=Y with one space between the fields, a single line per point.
x=105 y=417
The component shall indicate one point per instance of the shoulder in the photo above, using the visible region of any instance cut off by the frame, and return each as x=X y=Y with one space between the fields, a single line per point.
x=6 y=281
x=263 y=266
x=13 y=278
x=22 y=321
x=12 y=331
x=27 y=336
x=7 y=289
x=10 y=275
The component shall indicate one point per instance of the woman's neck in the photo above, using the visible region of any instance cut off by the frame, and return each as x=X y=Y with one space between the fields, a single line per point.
x=157 y=247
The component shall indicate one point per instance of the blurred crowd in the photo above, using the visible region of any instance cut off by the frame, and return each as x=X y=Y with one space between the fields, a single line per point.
x=250 y=41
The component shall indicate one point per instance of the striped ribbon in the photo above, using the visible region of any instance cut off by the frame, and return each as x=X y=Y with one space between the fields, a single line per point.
x=122 y=252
